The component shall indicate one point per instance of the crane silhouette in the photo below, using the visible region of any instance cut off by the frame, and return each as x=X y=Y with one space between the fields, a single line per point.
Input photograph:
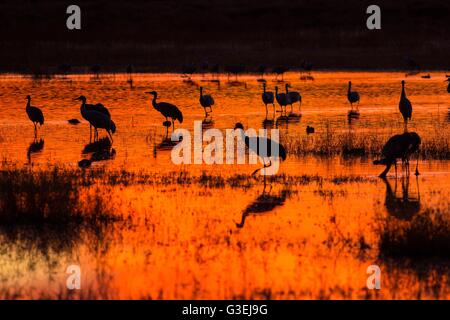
x=98 y=117
x=206 y=101
x=405 y=107
x=280 y=70
x=264 y=147
x=400 y=146
x=448 y=80
x=268 y=98
x=403 y=207
x=35 y=115
x=293 y=96
x=282 y=100
x=168 y=110
x=264 y=203
x=352 y=96
x=100 y=108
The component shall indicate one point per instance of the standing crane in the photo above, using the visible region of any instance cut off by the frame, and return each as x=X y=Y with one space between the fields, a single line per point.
x=282 y=99
x=168 y=110
x=405 y=107
x=268 y=98
x=448 y=80
x=35 y=115
x=98 y=117
x=265 y=148
x=206 y=101
x=352 y=96
x=92 y=107
x=294 y=96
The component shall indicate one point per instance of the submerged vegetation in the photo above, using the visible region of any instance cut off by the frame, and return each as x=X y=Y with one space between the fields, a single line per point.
x=427 y=234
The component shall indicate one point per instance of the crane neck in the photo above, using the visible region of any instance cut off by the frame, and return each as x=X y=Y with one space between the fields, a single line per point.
x=403 y=91
x=154 y=103
x=349 y=87
x=201 y=92
x=287 y=89
x=28 y=103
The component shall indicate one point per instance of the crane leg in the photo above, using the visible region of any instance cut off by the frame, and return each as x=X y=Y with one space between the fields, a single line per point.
x=267 y=111
x=110 y=135
x=417 y=165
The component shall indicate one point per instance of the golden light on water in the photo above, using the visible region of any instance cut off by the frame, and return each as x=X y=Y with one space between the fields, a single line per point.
x=184 y=238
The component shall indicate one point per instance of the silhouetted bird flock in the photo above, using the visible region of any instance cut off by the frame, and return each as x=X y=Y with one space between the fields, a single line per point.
x=400 y=146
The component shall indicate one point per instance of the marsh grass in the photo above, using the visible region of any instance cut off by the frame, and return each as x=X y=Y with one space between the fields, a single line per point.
x=426 y=235
x=51 y=197
x=330 y=142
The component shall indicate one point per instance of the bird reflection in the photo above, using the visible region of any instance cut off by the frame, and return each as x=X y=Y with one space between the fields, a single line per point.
x=403 y=207
x=264 y=203
x=35 y=147
x=207 y=122
x=100 y=150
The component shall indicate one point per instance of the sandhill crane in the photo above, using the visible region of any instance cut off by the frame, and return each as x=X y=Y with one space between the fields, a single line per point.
x=448 y=80
x=294 y=96
x=168 y=110
x=280 y=71
x=268 y=98
x=92 y=107
x=400 y=146
x=35 y=115
x=206 y=101
x=282 y=99
x=352 y=96
x=264 y=147
x=405 y=107
x=98 y=117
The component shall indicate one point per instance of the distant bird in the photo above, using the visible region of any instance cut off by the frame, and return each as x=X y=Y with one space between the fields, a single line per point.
x=73 y=121
x=234 y=69
x=282 y=99
x=426 y=76
x=92 y=107
x=307 y=66
x=310 y=130
x=294 y=96
x=35 y=115
x=261 y=71
x=280 y=70
x=268 y=98
x=98 y=117
x=448 y=80
x=95 y=69
x=168 y=110
x=206 y=101
x=264 y=147
x=188 y=70
x=400 y=146
x=352 y=96
x=405 y=107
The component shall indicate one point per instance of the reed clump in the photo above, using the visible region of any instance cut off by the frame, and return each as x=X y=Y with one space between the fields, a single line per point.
x=331 y=142
x=425 y=235
x=52 y=196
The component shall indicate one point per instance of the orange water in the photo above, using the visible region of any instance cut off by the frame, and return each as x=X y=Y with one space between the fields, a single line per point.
x=182 y=242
